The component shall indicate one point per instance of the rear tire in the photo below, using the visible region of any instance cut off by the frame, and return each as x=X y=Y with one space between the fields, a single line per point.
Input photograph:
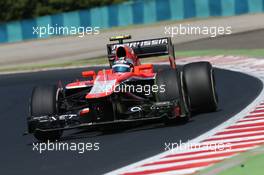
x=199 y=82
x=44 y=102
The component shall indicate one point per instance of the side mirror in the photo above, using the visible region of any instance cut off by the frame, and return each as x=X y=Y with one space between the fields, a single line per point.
x=87 y=74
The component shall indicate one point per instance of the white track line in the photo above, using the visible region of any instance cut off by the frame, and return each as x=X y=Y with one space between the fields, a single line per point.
x=242 y=134
x=156 y=167
x=248 y=127
x=250 y=119
x=249 y=122
x=234 y=139
x=230 y=145
x=180 y=172
x=194 y=156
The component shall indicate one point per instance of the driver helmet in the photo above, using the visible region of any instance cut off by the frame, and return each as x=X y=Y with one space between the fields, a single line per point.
x=122 y=65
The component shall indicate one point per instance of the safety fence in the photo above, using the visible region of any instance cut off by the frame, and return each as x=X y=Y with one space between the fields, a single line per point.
x=128 y=13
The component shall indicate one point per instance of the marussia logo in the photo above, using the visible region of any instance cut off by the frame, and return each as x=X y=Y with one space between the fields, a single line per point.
x=141 y=43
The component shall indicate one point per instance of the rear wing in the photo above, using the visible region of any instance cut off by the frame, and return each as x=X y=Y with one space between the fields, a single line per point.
x=146 y=48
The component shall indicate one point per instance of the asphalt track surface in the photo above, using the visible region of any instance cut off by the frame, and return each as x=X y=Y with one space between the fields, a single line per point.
x=235 y=90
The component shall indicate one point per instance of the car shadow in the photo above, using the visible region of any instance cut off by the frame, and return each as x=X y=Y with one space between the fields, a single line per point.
x=88 y=133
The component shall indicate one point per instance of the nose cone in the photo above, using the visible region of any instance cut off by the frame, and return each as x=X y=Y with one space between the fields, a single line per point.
x=105 y=84
x=101 y=88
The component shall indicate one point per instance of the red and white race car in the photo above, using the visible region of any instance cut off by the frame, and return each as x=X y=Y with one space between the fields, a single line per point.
x=126 y=92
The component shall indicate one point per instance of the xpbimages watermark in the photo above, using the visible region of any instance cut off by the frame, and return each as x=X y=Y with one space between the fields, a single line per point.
x=211 y=31
x=80 y=147
x=111 y=86
x=146 y=89
x=42 y=31
x=183 y=146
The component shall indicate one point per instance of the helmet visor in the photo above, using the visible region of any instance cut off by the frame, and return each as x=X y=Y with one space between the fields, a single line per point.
x=121 y=68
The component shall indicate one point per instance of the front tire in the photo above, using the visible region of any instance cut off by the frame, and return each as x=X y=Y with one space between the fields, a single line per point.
x=44 y=102
x=199 y=82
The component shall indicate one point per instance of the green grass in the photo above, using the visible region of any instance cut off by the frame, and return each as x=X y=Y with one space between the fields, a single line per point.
x=256 y=53
x=248 y=163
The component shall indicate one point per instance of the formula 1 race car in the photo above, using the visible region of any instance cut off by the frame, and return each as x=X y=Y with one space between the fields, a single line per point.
x=126 y=92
